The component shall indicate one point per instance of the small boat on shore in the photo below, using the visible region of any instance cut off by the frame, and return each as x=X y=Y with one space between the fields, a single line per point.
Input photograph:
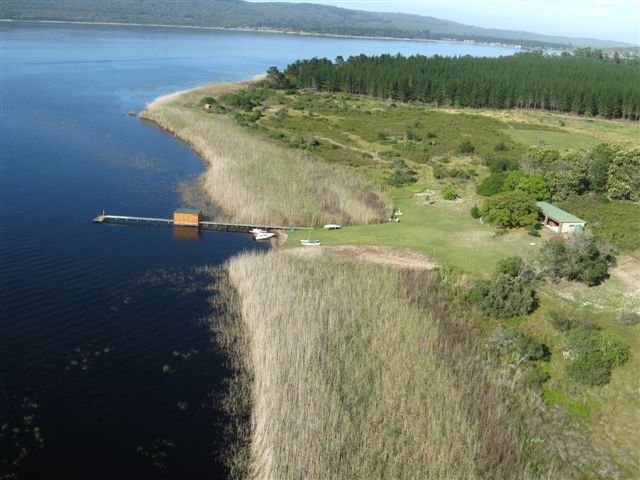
x=263 y=235
x=310 y=243
x=332 y=226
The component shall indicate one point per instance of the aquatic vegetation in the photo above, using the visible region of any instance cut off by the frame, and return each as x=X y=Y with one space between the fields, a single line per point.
x=360 y=371
x=159 y=450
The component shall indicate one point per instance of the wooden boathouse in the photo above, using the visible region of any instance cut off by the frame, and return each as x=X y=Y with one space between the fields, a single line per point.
x=187 y=217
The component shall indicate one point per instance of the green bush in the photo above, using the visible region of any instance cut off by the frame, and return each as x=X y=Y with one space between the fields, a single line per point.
x=497 y=165
x=510 y=209
x=475 y=212
x=401 y=174
x=594 y=354
x=501 y=147
x=534 y=377
x=512 y=179
x=449 y=194
x=521 y=348
x=584 y=260
x=560 y=321
x=491 y=185
x=505 y=296
x=466 y=147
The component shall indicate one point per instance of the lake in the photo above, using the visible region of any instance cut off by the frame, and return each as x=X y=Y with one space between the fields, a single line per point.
x=107 y=369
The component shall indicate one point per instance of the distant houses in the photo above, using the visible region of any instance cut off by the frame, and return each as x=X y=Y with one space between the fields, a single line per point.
x=560 y=221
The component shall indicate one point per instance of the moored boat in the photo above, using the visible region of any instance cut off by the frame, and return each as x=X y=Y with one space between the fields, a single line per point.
x=263 y=235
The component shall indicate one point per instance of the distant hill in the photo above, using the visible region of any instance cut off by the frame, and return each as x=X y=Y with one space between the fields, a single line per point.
x=296 y=17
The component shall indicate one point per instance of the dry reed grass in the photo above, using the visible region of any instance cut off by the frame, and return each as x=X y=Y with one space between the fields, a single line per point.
x=253 y=180
x=357 y=370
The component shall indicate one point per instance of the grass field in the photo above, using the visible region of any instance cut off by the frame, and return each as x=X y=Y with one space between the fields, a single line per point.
x=363 y=371
x=444 y=231
x=564 y=140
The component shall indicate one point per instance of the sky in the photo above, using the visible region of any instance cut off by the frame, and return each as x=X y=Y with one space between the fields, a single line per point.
x=603 y=19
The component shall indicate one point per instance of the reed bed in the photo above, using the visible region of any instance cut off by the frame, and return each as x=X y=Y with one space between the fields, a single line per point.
x=253 y=180
x=357 y=370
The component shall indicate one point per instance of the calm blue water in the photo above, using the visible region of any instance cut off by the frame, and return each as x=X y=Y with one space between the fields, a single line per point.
x=91 y=316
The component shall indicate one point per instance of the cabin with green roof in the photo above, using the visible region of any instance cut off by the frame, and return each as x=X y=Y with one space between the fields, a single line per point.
x=559 y=221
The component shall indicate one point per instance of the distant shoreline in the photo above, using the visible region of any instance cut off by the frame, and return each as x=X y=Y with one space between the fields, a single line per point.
x=276 y=31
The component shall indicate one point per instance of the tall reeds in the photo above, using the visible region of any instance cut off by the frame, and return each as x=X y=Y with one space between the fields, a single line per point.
x=357 y=370
x=254 y=180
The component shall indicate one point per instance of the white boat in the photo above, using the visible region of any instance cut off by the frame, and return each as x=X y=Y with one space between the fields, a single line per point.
x=257 y=230
x=331 y=226
x=310 y=243
x=398 y=213
x=263 y=235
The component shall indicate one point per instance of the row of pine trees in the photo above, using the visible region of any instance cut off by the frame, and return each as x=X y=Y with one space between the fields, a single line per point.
x=585 y=86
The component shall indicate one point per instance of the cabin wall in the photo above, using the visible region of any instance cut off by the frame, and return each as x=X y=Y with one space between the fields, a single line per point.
x=190 y=219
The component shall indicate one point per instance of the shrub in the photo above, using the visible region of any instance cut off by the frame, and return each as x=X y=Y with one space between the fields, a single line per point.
x=514 y=267
x=505 y=296
x=623 y=181
x=501 y=147
x=497 y=165
x=512 y=179
x=596 y=353
x=466 y=147
x=449 y=194
x=401 y=174
x=561 y=322
x=584 y=260
x=520 y=348
x=534 y=377
x=491 y=185
x=590 y=370
x=533 y=230
x=510 y=209
x=534 y=186
x=305 y=143
x=626 y=317
x=475 y=212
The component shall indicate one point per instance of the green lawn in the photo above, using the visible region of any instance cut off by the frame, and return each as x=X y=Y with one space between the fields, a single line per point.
x=444 y=231
x=554 y=139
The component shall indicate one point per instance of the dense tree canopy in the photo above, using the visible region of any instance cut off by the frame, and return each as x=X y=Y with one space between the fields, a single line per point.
x=578 y=84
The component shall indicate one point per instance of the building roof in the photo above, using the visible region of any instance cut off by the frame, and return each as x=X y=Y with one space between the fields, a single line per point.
x=195 y=211
x=558 y=214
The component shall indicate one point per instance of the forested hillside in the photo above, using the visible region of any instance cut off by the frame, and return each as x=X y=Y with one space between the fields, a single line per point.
x=310 y=18
x=585 y=86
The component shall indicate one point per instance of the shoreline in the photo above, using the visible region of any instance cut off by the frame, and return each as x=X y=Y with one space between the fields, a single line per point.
x=275 y=31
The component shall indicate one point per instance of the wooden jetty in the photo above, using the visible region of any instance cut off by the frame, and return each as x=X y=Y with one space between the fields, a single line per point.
x=203 y=225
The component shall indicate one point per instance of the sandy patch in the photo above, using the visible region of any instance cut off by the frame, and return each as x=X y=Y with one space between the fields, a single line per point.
x=398 y=257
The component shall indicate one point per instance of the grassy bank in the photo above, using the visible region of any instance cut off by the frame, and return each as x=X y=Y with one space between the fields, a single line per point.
x=362 y=371
x=253 y=180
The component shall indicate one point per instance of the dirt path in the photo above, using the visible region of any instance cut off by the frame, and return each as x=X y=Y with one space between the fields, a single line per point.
x=398 y=257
